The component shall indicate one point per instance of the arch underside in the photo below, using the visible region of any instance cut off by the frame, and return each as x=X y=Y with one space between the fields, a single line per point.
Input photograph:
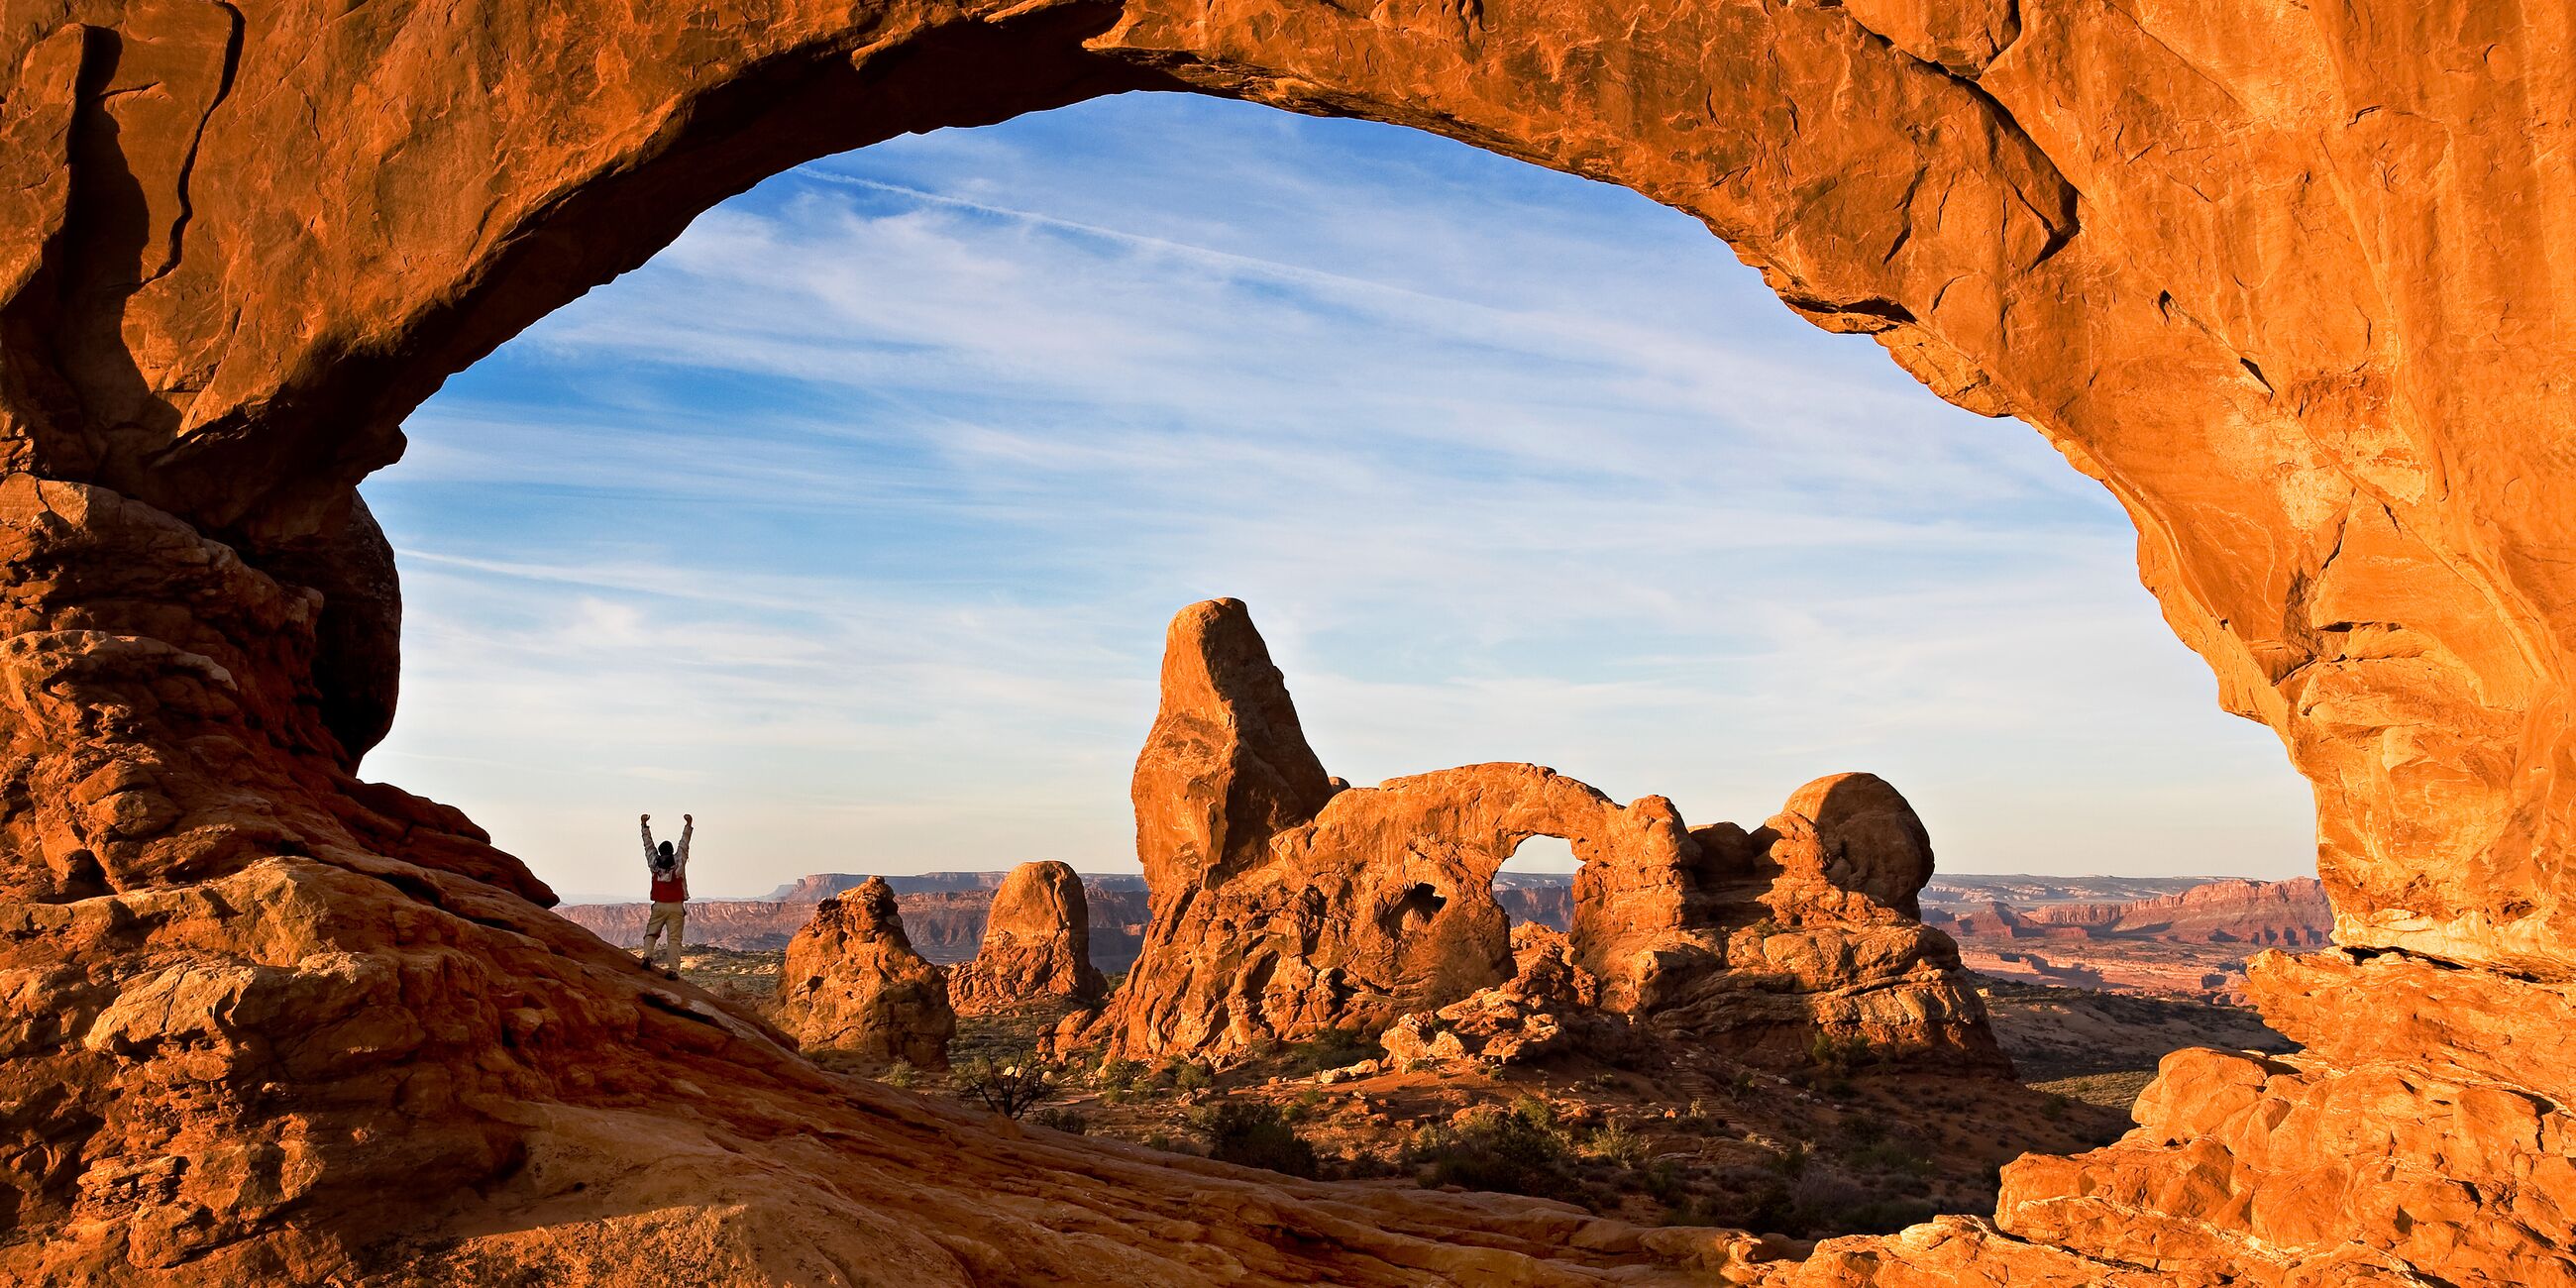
x=2287 y=280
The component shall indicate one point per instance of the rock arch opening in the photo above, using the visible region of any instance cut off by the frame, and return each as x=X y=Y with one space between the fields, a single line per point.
x=1536 y=885
x=854 y=295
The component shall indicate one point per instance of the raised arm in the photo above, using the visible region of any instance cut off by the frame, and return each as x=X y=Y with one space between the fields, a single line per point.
x=688 y=824
x=648 y=840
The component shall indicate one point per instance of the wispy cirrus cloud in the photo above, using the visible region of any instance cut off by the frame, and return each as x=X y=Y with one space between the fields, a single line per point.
x=851 y=522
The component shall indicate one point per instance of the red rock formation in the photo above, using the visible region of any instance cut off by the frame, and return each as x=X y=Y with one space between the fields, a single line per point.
x=1036 y=947
x=852 y=983
x=1331 y=908
x=2284 y=278
x=1549 y=1007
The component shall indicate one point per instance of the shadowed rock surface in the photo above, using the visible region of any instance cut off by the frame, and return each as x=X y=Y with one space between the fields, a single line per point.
x=2286 y=279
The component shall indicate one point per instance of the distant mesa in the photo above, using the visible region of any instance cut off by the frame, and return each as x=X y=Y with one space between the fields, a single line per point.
x=2188 y=942
x=943 y=911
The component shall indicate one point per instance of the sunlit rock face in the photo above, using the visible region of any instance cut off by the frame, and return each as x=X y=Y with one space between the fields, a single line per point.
x=1322 y=906
x=851 y=982
x=2288 y=280
x=1036 y=947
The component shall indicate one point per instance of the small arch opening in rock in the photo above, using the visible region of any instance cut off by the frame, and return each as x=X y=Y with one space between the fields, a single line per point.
x=1414 y=910
x=1536 y=884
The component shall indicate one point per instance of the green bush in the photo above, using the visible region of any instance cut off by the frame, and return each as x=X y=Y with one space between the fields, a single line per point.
x=1616 y=1143
x=1839 y=1056
x=1519 y=1152
x=1331 y=1049
x=1117 y=1073
x=1062 y=1119
x=1890 y=1156
x=901 y=1074
x=1253 y=1133
x=1193 y=1076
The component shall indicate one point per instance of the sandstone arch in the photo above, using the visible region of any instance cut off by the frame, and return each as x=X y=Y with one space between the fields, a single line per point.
x=2289 y=280
x=1287 y=902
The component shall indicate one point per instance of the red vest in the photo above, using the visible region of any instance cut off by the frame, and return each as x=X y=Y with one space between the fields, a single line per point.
x=675 y=890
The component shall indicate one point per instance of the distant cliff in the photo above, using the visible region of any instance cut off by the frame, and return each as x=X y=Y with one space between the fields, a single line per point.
x=943 y=913
x=2275 y=914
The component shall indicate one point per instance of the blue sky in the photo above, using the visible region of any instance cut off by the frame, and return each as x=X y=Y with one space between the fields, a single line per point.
x=851 y=522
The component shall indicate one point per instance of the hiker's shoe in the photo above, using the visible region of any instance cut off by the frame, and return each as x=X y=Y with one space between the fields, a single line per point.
x=670 y=974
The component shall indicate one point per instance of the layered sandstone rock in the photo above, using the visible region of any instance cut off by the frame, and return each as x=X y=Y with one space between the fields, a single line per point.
x=852 y=983
x=2278 y=914
x=2284 y=278
x=1319 y=906
x=1036 y=948
x=1549 y=1008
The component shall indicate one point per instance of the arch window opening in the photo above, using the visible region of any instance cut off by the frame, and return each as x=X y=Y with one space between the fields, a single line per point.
x=851 y=523
x=1536 y=884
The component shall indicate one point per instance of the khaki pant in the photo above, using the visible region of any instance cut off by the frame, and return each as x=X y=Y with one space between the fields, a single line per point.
x=671 y=917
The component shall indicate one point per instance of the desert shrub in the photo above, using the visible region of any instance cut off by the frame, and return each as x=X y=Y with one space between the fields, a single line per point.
x=1193 y=1076
x=900 y=1074
x=1663 y=1180
x=1331 y=1049
x=1117 y=1073
x=1616 y=1143
x=1253 y=1133
x=1304 y=1106
x=1879 y=1216
x=1520 y=1152
x=1702 y=1120
x=1863 y=1130
x=1890 y=1156
x=1824 y=1204
x=1010 y=1086
x=1839 y=1056
x=1062 y=1119
x=1791 y=1162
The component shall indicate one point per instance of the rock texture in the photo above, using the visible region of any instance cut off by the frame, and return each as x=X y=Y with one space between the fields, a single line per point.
x=2288 y=280
x=852 y=983
x=1286 y=904
x=1550 y=1007
x=1036 y=947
